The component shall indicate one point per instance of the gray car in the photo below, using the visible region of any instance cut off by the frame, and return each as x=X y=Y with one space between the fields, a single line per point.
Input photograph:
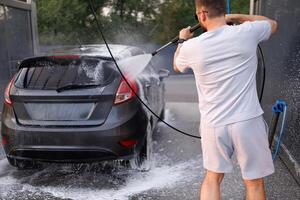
x=74 y=106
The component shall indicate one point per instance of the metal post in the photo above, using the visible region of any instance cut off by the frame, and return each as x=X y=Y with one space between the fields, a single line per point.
x=252 y=4
x=34 y=30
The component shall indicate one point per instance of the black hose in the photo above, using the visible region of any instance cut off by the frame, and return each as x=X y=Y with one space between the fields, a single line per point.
x=114 y=60
x=264 y=74
x=99 y=29
x=273 y=127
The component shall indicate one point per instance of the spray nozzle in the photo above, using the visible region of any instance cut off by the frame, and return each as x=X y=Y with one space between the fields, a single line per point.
x=175 y=40
x=193 y=29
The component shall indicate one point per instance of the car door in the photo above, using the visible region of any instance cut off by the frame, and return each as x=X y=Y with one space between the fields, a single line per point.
x=156 y=90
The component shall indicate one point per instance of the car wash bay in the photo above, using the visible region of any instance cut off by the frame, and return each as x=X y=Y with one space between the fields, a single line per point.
x=178 y=168
x=176 y=175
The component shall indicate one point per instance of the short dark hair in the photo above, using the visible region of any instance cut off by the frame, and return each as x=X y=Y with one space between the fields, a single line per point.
x=215 y=8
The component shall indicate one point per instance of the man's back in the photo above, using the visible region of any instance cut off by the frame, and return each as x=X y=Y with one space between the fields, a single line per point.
x=224 y=62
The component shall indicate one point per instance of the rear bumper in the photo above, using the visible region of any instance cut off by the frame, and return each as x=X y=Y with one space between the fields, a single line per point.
x=76 y=144
x=64 y=155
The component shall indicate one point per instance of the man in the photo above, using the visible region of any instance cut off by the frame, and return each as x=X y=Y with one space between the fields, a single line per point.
x=224 y=62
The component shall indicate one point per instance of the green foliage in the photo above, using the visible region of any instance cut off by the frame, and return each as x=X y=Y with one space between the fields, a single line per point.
x=240 y=6
x=124 y=21
x=173 y=15
x=177 y=14
x=65 y=21
x=131 y=20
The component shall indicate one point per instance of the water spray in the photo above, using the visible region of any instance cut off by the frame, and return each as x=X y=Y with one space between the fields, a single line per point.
x=133 y=71
x=99 y=29
x=148 y=57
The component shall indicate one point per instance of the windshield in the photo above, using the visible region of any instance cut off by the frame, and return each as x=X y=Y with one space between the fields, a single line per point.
x=52 y=74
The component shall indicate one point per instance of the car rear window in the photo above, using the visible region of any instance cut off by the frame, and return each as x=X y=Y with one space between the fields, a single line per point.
x=52 y=73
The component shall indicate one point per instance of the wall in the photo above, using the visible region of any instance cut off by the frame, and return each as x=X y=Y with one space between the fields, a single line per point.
x=282 y=54
x=17 y=33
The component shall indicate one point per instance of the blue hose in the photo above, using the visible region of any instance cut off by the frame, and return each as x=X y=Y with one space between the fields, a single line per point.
x=279 y=107
x=228 y=7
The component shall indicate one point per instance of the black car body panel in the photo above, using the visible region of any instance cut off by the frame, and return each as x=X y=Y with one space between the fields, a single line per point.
x=64 y=144
x=77 y=124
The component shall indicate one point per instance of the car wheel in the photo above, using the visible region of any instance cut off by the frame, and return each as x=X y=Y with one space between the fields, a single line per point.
x=23 y=164
x=143 y=160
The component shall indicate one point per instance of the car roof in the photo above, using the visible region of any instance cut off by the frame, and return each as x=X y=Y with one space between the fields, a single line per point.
x=97 y=50
x=94 y=50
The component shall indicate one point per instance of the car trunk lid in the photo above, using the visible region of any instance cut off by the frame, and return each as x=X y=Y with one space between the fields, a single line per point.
x=42 y=96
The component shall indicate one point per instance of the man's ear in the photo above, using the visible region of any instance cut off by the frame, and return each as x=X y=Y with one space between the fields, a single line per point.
x=203 y=16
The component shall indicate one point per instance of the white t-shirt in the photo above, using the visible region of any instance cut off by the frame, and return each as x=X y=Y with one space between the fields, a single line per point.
x=224 y=62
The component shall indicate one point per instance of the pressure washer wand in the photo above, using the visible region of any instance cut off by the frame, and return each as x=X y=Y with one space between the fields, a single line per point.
x=175 y=40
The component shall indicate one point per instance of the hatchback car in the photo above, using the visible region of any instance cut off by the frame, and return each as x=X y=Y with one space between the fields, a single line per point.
x=74 y=106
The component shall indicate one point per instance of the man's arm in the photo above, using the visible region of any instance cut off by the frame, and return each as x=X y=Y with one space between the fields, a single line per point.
x=239 y=19
x=175 y=57
x=184 y=34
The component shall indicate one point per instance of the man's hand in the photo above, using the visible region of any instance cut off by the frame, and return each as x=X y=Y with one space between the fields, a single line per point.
x=229 y=19
x=186 y=33
x=240 y=18
x=183 y=34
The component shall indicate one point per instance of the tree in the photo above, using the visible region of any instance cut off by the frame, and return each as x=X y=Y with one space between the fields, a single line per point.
x=132 y=20
x=173 y=15
x=124 y=21
x=65 y=22
x=240 y=6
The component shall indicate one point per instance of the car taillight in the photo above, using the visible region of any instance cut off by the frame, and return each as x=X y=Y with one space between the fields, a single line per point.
x=7 y=98
x=128 y=143
x=124 y=92
x=4 y=141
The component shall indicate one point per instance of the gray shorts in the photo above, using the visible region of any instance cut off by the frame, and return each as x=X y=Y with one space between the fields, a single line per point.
x=247 y=139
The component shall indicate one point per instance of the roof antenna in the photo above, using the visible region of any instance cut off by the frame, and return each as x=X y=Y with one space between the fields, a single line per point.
x=81 y=47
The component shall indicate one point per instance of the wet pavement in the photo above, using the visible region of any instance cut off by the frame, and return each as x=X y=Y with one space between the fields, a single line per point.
x=176 y=173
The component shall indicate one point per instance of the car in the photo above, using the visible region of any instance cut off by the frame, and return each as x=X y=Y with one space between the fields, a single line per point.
x=72 y=105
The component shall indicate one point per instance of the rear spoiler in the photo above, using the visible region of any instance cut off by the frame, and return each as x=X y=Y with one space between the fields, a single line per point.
x=30 y=62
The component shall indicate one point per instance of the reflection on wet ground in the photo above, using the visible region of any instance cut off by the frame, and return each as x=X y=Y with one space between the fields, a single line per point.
x=106 y=180
x=110 y=180
x=176 y=173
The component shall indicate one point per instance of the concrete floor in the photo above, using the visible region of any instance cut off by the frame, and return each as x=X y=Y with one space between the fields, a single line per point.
x=176 y=174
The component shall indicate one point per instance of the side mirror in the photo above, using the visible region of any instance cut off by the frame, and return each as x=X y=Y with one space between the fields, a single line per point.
x=163 y=73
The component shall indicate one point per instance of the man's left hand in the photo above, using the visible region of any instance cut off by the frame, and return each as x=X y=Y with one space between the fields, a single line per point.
x=186 y=33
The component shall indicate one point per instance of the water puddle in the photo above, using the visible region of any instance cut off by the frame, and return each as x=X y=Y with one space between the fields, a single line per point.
x=96 y=181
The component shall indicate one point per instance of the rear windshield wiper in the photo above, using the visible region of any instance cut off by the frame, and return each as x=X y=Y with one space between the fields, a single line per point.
x=76 y=86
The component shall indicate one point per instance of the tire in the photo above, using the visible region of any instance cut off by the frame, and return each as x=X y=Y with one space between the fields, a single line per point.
x=23 y=164
x=143 y=161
